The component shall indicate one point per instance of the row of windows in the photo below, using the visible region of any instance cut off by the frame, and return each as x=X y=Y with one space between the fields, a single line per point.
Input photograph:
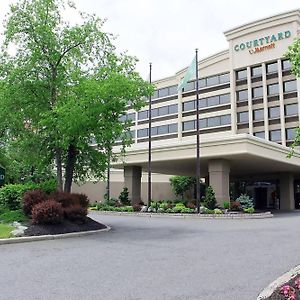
x=208 y=122
x=206 y=102
x=157 y=112
x=130 y=116
x=272 y=89
x=275 y=135
x=257 y=70
x=158 y=130
x=164 y=92
x=273 y=112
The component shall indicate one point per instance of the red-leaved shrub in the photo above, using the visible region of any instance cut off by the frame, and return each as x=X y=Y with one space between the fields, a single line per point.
x=69 y=199
x=31 y=198
x=136 y=207
x=235 y=206
x=75 y=213
x=47 y=212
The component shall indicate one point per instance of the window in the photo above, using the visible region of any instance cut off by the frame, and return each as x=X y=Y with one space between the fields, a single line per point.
x=275 y=135
x=243 y=117
x=162 y=129
x=258 y=114
x=155 y=94
x=225 y=120
x=257 y=92
x=162 y=111
x=290 y=86
x=272 y=68
x=190 y=86
x=202 y=83
x=224 y=78
x=256 y=71
x=173 y=109
x=202 y=123
x=213 y=80
x=224 y=98
x=291 y=110
x=131 y=116
x=274 y=112
x=189 y=125
x=260 y=134
x=242 y=95
x=214 y=121
x=202 y=103
x=273 y=89
x=173 y=128
x=154 y=112
x=173 y=90
x=241 y=74
x=290 y=134
x=143 y=114
x=154 y=131
x=211 y=101
x=142 y=133
x=189 y=105
x=286 y=65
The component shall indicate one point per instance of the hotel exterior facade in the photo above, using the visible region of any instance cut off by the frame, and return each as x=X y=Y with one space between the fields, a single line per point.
x=249 y=110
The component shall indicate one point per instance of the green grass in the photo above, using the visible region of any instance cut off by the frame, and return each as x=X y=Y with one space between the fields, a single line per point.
x=5 y=231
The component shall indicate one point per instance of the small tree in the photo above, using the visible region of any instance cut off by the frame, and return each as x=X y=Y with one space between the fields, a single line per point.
x=123 y=197
x=210 y=198
x=245 y=201
x=181 y=184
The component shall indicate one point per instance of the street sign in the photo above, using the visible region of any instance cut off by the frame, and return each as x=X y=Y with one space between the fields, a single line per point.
x=2 y=176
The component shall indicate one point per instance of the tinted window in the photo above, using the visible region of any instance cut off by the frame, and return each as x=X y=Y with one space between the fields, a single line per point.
x=212 y=80
x=203 y=103
x=190 y=86
x=272 y=68
x=155 y=94
x=225 y=120
x=256 y=71
x=162 y=129
x=260 y=134
x=202 y=83
x=143 y=115
x=290 y=134
x=224 y=98
x=131 y=116
x=242 y=95
x=173 y=128
x=241 y=74
x=275 y=135
x=286 y=65
x=163 y=92
x=154 y=130
x=273 y=89
x=189 y=125
x=202 y=123
x=258 y=114
x=162 y=111
x=290 y=86
x=257 y=92
x=154 y=112
x=173 y=90
x=243 y=117
x=291 y=110
x=215 y=121
x=188 y=105
x=224 y=78
x=213 y=101
x=142 y=132
x=274 y=112
x=173 y=109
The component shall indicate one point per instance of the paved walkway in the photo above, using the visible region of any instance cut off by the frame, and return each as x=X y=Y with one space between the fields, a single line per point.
x=154 y=258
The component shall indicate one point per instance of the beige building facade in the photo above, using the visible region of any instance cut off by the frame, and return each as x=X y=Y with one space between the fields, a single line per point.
x=249 y=111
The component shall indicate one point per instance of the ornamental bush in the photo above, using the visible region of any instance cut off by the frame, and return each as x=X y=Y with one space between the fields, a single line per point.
x=245 y=201
x=226 y=204
x=47 y=212
x=75 y=213
x=70 y=199
x=123 y=197
x=210 y=198
x=31 y=198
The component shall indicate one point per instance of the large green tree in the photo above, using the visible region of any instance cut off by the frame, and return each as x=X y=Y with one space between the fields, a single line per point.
x=64 y=88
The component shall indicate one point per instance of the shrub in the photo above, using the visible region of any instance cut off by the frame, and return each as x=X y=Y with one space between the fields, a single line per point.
x=235 y=206
x=208 y=211
x=218 y=211
x=181 y=184
x=180 y=205
x=111 y=202
x=136 y=207
x=47 y=212
x=48 y=186
x=123 y=197
x=75 y=213
x=249 y=210
x=10 y=216
x=226 y=204
x=69 y=199
x=210 y=198
x=31 y=198
x=245 y=200
x=169 y=210
x=164 y=206
x=187 y=210
x=191 y=205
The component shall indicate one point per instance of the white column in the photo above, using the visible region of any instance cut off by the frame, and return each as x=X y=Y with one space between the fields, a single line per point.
x=281 y=104
x=265 y=98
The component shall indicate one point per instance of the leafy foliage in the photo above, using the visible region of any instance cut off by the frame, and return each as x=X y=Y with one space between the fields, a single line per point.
x=32 y=198
x=75 y=213
x=9 y=216
x=245 y=201
x=226 y=204
x=181 y=184
x=210 y=198
x=47 y=212
x=123 y=197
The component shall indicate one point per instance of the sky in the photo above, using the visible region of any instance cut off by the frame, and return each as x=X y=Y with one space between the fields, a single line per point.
x=166 y=32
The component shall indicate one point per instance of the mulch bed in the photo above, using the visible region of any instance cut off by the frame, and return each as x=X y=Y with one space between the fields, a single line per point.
x=64 y=227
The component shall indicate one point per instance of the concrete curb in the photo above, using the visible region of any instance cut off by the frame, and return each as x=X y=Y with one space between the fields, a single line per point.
x=188 y=216
x=25 y=239
x=268 y=291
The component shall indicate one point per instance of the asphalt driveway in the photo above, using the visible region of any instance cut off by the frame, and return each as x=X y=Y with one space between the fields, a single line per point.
x=154 y=258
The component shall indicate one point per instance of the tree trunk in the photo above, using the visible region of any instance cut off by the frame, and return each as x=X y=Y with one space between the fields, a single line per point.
x=58 y=170
x=70 y=165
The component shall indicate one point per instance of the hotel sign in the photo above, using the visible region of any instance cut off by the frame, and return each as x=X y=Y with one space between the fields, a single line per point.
x=263 y=43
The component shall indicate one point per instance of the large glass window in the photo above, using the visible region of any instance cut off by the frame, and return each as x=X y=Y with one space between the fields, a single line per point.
x=272 y=68
x=224 y=78
x=211 y=101
x=243 y=117
x=162 y=111
x=173 y=128
x=143 y=114
x=286 y=65
x=214 y=121
x=275 y=135
x=291 y=110
x=173 y=90
x=154 y=112
x=173 y=109
x=258 y=114
x=202 y=123
x=190 y=105
x=163 y=92
x=291 y=134
x=256 y=71
x=202 y=103
x=202 y=82
x=225 y=120
x=260 y=134
x=241 y=74
x=274 y=112
x=188 y=125
x=155 y=94
x=142 y=132
x=257 y=92
x=290 y=86
x=242 y=95
x=162 y=129
x=190 y=86
x=224 y=98
x=213 y=80
x=273 y=89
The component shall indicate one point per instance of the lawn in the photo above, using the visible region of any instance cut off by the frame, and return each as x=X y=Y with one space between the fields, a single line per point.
x=5 y=230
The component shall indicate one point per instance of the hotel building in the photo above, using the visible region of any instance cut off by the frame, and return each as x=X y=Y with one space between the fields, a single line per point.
x=249 y=110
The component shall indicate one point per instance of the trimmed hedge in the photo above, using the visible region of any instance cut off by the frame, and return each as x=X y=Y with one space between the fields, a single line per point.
x=31 y=198
x=47 y=212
